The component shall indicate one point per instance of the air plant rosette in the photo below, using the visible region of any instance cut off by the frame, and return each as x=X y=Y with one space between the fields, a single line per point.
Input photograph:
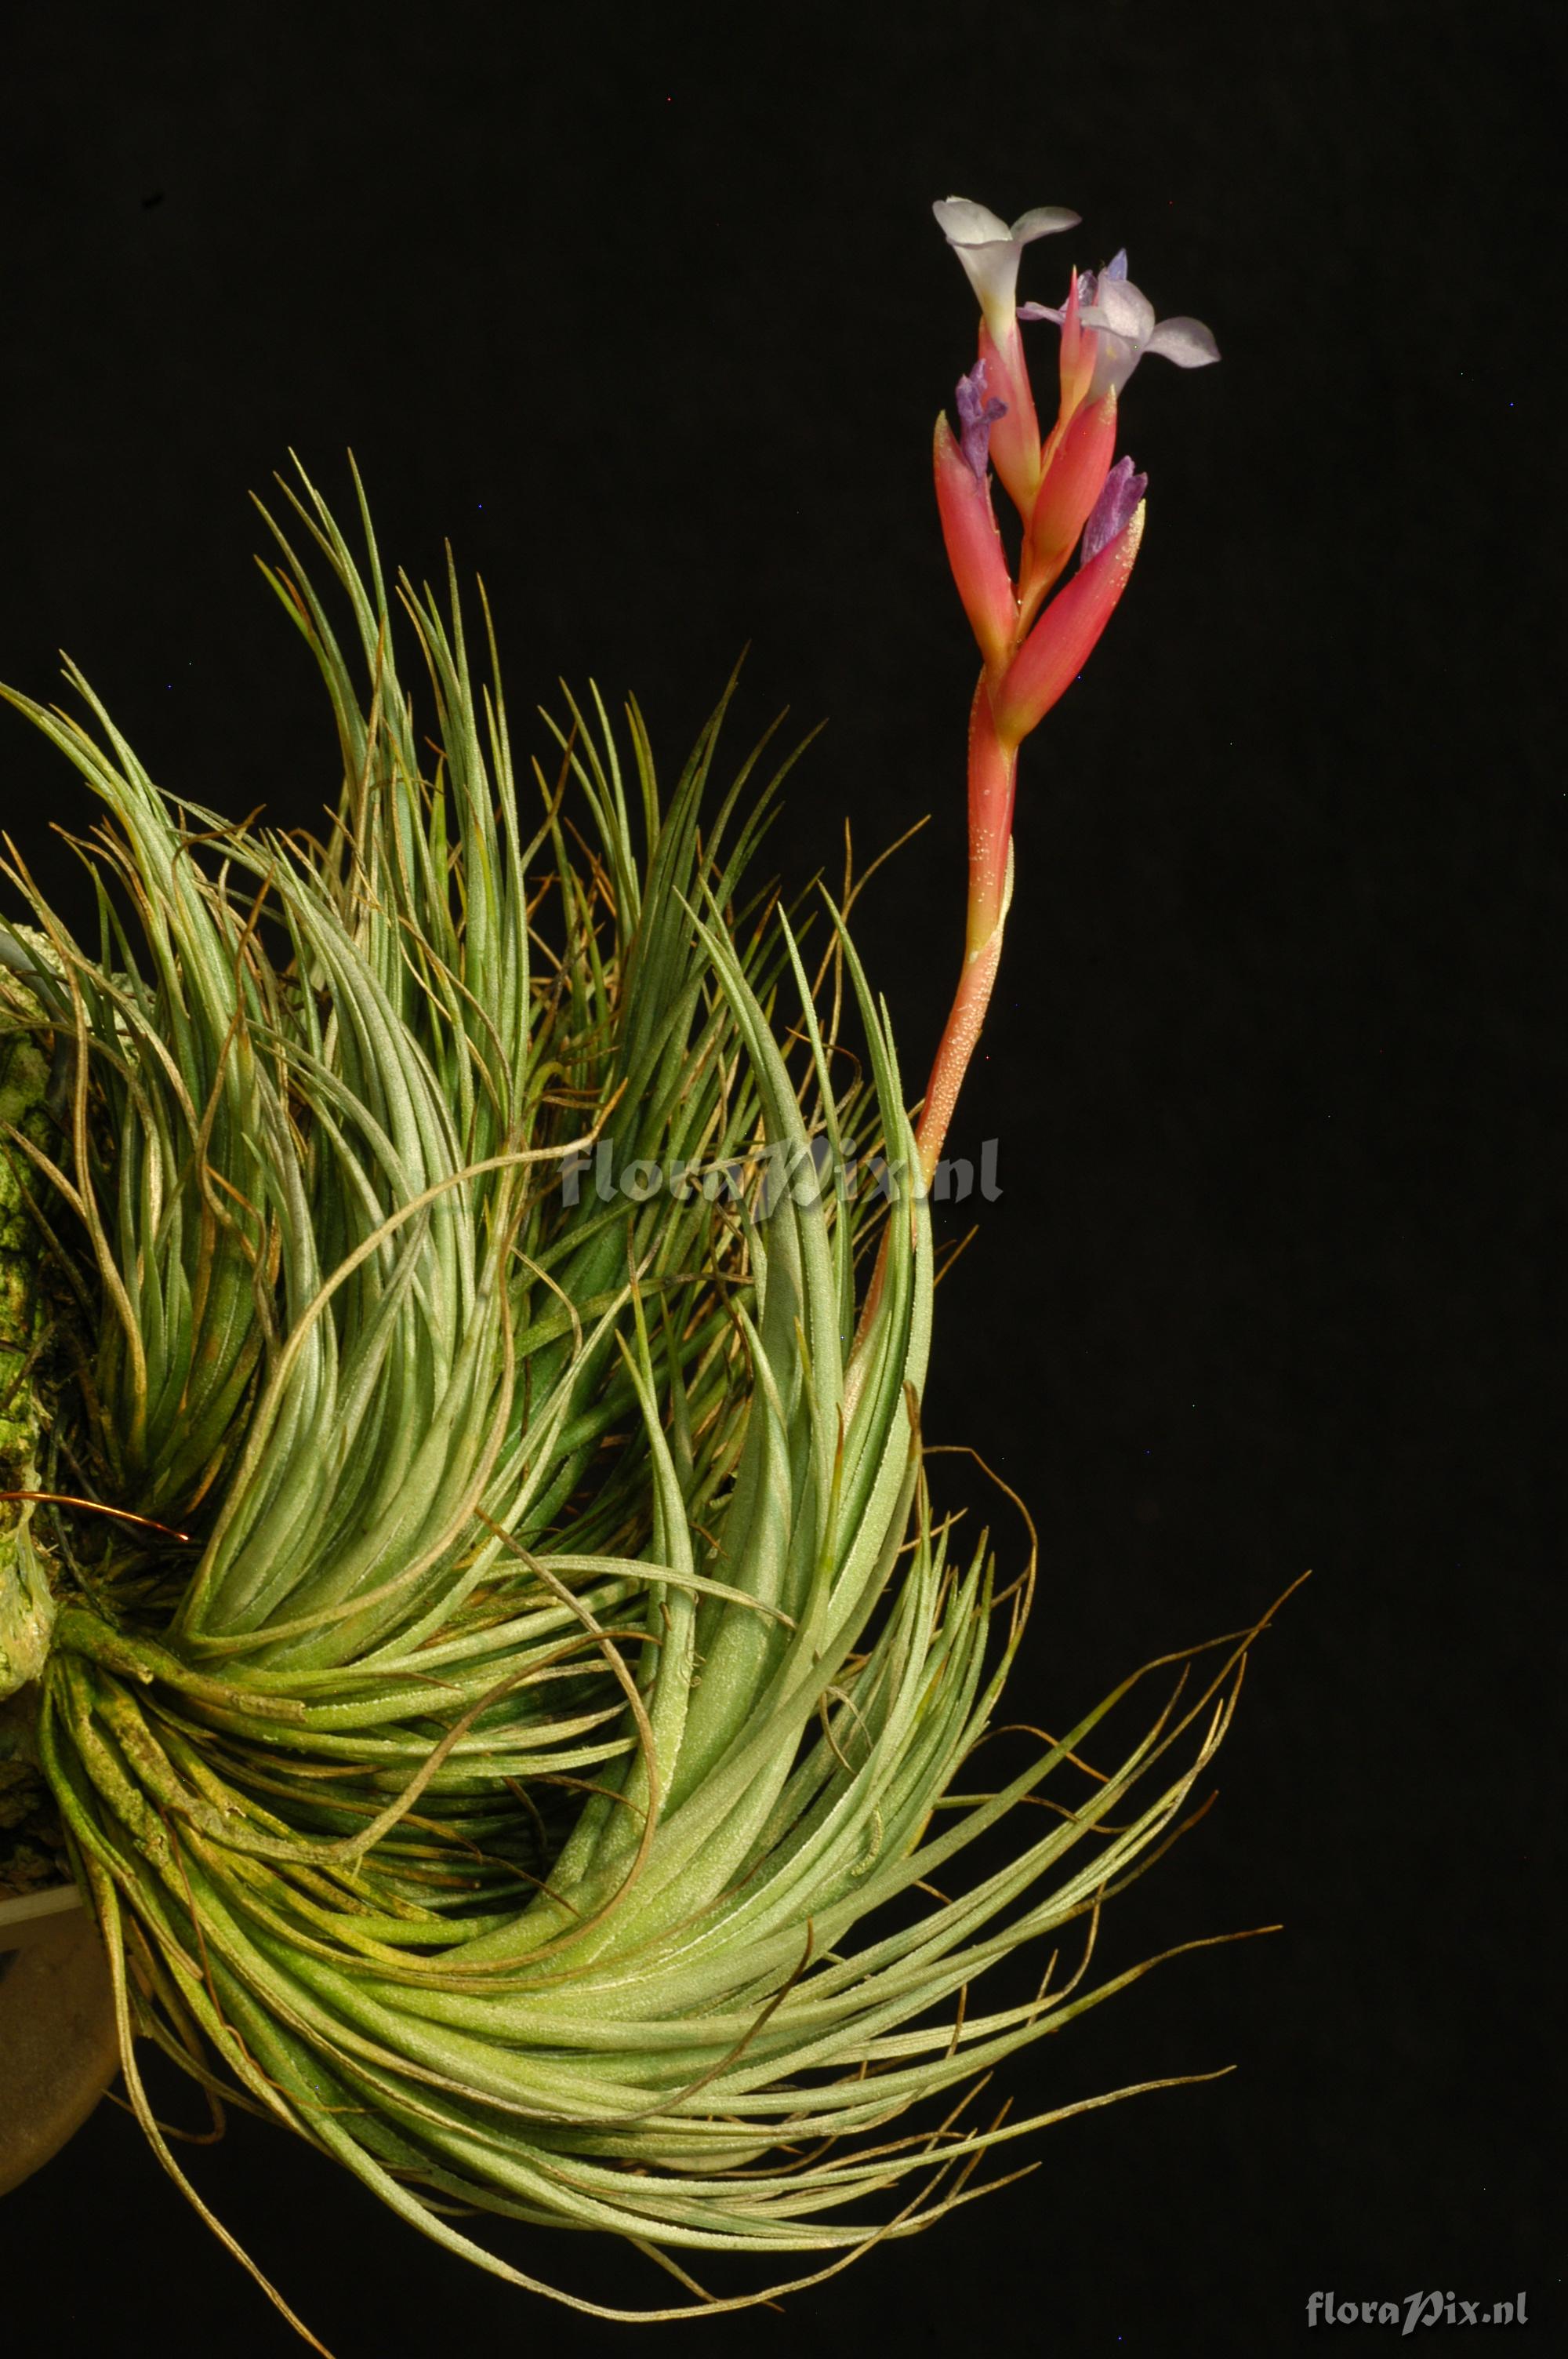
x=515 y=1702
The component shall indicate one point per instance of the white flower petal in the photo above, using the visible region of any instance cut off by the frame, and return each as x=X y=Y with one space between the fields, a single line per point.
x=1115 y=359
x=992 y=270
x=1186 y=342
x=963 y=223
x=991 y=248
x=1043 y=221
x=1123 y=309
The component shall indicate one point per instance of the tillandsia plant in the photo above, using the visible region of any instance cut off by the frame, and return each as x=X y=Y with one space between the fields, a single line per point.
x=506 y=1680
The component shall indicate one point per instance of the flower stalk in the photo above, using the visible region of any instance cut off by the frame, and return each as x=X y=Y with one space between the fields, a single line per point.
x=1067 y=495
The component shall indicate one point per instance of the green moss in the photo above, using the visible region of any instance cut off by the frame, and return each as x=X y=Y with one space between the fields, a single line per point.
x=32 y=1840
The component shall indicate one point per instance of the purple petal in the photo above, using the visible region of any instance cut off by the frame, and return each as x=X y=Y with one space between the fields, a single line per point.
x=977 y=415
x=1041 y=312
x=1113 y=509
x=1116 y=266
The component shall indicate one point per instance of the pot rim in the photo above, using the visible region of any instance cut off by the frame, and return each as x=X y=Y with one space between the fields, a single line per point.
x=32 y=1912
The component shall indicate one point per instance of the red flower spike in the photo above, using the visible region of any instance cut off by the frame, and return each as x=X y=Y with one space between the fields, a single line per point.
x=1015 y=438
x=1075 y=479
x=1065 y=637
x=1079 y=345
x=974 y=547
x=1067 y=493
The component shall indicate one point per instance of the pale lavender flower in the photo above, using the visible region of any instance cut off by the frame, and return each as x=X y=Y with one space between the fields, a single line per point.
x=1122 y=318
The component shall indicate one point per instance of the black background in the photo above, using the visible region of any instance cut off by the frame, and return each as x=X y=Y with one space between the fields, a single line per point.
x=645 y=309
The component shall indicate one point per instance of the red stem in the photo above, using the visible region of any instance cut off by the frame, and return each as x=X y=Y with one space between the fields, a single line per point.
x=994 y=776
x=994 y=779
